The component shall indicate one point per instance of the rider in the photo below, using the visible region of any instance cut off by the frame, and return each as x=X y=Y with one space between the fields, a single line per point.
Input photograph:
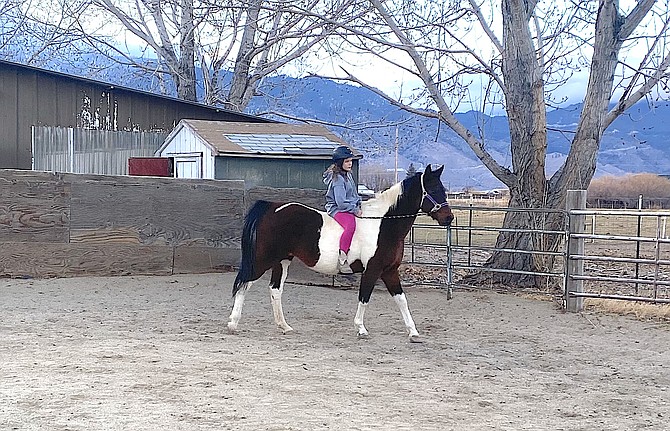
x=342 y=200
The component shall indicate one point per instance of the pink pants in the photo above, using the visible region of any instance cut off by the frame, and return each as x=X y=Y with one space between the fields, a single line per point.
x=348 y=222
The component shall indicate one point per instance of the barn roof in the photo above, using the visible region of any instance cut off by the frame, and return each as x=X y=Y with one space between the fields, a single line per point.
x=271 y=139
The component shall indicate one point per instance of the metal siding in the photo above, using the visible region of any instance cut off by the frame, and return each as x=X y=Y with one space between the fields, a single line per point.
x=103 y=152
x=66 y=95
x=8 y=121
x=273 y=172
x=28 y=100
x=47 y=108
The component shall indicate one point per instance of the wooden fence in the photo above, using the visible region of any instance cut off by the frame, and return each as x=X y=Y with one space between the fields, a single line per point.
x=58 y=225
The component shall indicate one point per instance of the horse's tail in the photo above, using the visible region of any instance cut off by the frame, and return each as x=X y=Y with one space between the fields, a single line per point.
x=248 y=262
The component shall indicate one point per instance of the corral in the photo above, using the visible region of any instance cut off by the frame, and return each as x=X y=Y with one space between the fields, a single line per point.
x=147 y=353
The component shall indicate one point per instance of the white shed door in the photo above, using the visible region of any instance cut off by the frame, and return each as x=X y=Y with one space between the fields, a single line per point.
x=188 y=167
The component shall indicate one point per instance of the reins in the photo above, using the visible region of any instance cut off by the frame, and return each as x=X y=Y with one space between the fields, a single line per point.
x=391 y=216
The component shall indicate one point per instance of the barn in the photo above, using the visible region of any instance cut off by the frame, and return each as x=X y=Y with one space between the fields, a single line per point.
x=270 y=154
x=58 y=122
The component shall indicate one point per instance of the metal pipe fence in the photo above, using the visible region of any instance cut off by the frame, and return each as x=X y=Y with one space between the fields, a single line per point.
x=608 y=254
x=626 y=256
x=470 y=241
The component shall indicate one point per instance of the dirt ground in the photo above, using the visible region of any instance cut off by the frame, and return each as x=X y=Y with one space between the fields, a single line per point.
x=152 y=353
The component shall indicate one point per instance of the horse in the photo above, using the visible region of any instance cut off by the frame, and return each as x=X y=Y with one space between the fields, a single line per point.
x=274 y=233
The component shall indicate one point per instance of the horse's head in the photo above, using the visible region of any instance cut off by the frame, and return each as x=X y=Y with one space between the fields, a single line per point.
x=434 y=200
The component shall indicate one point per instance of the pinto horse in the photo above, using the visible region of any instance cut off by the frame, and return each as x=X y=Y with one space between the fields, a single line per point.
x=275 y=233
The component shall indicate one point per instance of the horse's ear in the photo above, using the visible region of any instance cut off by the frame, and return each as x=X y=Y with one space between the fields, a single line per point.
x=438 y=171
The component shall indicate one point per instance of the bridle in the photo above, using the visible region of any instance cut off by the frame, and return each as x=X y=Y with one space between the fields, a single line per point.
x=436 y=206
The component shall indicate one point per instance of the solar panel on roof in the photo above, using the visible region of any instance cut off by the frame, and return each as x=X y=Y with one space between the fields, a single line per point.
x=283 y=143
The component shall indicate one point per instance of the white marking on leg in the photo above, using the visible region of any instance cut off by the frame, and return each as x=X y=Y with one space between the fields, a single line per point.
x=358 y=320
x=237 y=307
x=401 y=300
x=275 y=295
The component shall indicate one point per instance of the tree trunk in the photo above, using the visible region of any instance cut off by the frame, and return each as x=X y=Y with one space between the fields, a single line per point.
x=527 y=118
x=185 y=79
x=526 y=110
x=239 y=85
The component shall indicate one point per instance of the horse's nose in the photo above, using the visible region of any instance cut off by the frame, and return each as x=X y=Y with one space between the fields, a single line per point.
x=446 y=221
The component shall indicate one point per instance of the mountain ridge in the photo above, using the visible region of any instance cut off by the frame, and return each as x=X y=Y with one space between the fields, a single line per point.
x=635 y=142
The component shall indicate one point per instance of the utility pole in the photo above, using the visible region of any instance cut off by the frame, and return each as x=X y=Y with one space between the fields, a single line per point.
x=396 y=154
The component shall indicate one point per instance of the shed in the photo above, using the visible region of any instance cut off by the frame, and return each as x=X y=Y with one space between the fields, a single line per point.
x=272 y=155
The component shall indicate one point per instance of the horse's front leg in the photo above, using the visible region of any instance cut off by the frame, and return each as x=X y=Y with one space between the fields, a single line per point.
x=279 y=273
x=391 y=279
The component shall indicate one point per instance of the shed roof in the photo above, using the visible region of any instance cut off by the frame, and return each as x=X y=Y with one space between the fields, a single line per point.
x=272 y=139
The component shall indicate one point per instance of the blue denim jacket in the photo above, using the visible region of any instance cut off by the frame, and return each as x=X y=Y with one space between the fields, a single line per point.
x=342 y=195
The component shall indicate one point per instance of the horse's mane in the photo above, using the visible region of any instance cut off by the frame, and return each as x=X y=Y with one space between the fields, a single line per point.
x=386 y=200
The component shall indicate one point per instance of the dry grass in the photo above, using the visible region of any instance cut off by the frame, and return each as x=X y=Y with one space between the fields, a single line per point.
x=639 y=310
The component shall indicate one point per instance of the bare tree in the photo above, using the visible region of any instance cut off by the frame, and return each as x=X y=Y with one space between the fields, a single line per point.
x=34 y=32
x=249 y=39
x=519 y=51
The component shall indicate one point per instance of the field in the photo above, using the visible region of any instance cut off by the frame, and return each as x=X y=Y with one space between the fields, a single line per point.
x=148 y=353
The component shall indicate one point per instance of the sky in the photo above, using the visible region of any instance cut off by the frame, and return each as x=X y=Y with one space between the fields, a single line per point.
x=395 y=81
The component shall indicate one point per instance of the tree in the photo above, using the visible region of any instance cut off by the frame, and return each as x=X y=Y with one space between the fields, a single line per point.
x=36 y=36
x=411 y=170
x=251 y=39
x=533 y=48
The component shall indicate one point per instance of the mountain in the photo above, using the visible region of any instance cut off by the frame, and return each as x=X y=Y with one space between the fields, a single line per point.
x=635 y=142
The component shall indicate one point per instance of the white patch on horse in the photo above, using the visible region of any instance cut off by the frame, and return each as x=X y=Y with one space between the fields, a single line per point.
x=364 y=242
x=358 y=320
x=275 y=296
x=237 y=307
x=295 y=203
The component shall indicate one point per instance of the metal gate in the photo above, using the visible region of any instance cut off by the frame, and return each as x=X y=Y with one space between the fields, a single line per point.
x=619 y=254
x=467 y=244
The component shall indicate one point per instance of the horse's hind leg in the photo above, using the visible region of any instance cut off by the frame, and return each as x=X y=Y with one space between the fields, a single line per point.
x=279 y=273
x=368 y=280
x=392 y=281
x=237 y=306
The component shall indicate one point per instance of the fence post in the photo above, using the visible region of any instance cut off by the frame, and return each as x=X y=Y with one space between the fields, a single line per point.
x=450 y=274
x=576 y=199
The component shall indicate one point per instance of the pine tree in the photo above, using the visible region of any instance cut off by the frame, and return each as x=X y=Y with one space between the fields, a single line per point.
x=411 y=170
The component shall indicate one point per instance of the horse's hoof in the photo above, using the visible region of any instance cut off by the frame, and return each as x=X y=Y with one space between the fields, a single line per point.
x=416 y=339
x=363 y=336
x=232 y=328
x=287 y=331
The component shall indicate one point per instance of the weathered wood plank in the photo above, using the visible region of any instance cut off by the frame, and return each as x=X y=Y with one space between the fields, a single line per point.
x=105 y=236
x=34 y=208
x=199 y=259
x=161 y=211
x=311 y=197
x=41 y=260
